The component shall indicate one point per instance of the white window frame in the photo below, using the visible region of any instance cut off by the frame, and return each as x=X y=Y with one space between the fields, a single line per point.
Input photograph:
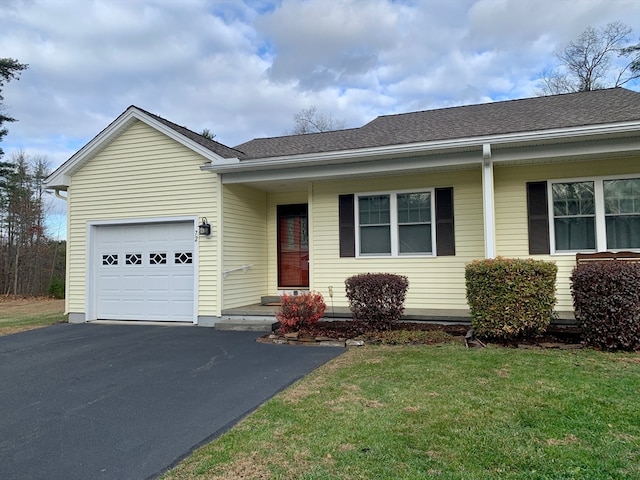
x=600 y=222
x=394 y=226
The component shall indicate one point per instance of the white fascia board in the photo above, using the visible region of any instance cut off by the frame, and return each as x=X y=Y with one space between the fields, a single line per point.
x=57 y=181
x=586 y=148
x=60 y=178
x=422 y=148
x=332 y=171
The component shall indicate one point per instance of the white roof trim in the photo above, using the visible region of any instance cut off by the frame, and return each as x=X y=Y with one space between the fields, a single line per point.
x=61 y=177
x=422 y=148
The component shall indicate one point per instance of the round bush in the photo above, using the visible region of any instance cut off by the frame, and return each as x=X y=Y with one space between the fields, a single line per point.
x=606 y=301
x=511 y=298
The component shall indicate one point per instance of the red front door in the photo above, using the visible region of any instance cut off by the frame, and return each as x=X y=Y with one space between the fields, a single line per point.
x=293 y=246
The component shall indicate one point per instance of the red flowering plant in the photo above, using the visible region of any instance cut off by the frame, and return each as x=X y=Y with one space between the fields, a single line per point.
x=299 y=311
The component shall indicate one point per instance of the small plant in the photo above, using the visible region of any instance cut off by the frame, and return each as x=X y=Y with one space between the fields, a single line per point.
x=376 y=300
x=606 y=301
x=511 y=298
x=56 y=288
x=300 y=311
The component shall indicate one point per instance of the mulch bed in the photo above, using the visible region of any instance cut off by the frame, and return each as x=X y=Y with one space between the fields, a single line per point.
x=334 y=333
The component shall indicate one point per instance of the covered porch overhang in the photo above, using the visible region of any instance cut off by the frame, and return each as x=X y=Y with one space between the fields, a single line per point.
x=297 y=172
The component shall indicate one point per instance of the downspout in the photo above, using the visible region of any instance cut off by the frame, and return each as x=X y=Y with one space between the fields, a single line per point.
x=488 y=203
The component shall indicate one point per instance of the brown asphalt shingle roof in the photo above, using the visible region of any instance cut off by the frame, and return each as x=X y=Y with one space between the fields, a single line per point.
x=513 y=116
x=216 y=147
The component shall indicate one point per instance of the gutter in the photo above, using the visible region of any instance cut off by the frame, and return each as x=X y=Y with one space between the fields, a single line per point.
x=56 y=192
x=413 y=149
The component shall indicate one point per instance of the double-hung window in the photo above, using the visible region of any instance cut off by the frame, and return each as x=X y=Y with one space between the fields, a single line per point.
x=595 y=214
x=574 y=215
x=395 y=224
x=622 y=213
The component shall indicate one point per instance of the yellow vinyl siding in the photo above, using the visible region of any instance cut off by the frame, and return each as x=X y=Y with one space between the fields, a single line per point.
x=511 y=209
x=245 y=243
x=142 y=174
x=434 y=282
x=273 y=200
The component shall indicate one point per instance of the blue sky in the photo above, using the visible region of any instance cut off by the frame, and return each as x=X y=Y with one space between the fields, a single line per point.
x=243 y=69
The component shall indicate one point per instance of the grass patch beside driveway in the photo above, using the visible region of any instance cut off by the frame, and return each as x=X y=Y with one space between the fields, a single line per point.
x=441 y=412
x=21 y=314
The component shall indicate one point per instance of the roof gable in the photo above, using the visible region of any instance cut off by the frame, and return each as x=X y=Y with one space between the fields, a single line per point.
x=209 y=149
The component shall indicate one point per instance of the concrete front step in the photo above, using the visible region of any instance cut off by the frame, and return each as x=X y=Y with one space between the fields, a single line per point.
x=246 y=323
x=270 y=300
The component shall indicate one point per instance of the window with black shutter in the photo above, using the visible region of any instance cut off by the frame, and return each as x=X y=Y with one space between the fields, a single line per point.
x=403 y=219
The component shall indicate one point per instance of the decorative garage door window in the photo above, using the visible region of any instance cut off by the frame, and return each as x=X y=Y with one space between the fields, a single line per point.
x=183 y=258
x=157 y=258
x=110 y=259
x=133 y=259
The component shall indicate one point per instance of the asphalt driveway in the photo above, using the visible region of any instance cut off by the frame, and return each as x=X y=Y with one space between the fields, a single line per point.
x=126 y=402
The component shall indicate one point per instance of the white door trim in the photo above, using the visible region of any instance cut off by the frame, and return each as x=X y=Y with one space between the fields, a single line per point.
x=91 y=274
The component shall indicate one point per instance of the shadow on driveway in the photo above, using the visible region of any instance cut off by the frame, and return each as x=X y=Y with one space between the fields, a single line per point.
x=126 y=402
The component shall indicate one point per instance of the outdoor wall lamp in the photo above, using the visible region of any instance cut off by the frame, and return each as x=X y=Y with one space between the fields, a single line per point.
x=205 y=227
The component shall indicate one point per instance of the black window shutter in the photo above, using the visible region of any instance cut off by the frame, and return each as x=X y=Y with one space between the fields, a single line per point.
x=538 y=218
x=445 y=232
x=347 y=225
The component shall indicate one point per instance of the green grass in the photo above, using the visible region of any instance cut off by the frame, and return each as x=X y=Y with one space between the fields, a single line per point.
x=441 y=412
x=28 y=321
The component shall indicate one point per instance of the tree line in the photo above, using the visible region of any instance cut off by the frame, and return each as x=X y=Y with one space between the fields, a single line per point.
x=31 y=262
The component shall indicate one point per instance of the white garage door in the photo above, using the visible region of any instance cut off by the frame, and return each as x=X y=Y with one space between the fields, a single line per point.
x=145 y=272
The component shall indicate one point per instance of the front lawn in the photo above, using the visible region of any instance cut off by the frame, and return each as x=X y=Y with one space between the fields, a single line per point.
x=441 y=412
x=18 y=314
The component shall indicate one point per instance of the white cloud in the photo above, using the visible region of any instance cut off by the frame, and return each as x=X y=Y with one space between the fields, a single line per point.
x=325 y=43
x=242 y=69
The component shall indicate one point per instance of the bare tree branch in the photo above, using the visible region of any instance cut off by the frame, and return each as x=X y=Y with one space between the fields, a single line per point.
x=586 y=62
x=309 y=120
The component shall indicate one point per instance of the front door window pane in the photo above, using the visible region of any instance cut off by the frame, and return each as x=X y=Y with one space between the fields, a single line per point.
x=622 y=213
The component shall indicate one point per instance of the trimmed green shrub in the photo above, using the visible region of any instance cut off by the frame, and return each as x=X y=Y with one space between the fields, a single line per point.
x=511 y=298
x=606 y=301
x=299 y=311
x=56 y=288
x=376 y=300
